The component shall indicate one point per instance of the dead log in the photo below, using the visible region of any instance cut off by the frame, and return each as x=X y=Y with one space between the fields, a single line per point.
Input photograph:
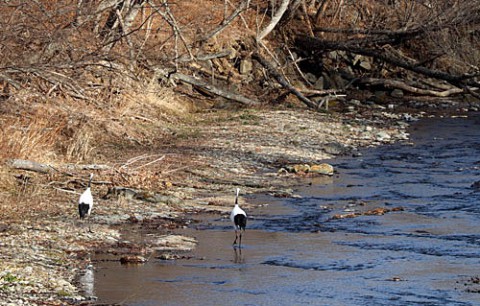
x=214 y=89
x=85 y=167
x=314 y=92
x=30 y=165
x=282 y=81
x=403 y=86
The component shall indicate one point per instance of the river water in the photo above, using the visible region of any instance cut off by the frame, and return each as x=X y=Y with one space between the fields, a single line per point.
x=296 y=252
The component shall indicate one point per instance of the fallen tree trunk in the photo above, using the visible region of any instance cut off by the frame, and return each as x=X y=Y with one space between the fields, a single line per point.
x=281 y=80
x=403 y=86
x=214 y=89
x=30 y=165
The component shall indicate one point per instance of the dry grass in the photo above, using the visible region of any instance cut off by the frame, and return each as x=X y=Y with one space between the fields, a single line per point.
x=60 y=130
x=30 y=136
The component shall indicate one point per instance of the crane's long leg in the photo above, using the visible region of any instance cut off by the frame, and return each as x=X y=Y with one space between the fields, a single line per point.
x=236 y=236
x=89 y=225
x=240 y=244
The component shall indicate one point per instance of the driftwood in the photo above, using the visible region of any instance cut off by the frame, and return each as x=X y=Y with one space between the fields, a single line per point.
x=85 y=167
x=214 y=89
x=314 y=92
x=29 y=165
x=281 y=80
x=388 y=83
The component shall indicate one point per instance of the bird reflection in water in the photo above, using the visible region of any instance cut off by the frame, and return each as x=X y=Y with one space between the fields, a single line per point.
x=87 y=282
x=238 y=258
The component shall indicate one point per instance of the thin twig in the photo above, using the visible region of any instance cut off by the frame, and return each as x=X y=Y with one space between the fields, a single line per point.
x=153 y=161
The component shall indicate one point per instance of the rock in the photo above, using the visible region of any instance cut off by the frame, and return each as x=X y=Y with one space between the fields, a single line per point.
x=363 y=62
x=339 y=81
x=169 y=200
x=287 y=193
x=174 y=243
x=282 y=171
x=132 y=259
x=383 y=136
x=397 y=93
x=117 y=191
x=380 y=96
x=333 y=55
x=297 y=168
x=327 y=81
x=476 y=185
x=322 y=169
x=246 y=66
x=319 y=84
x=301 y=168
x=168 y=256
x=366 y=65
x=335 y=148
x=355 y=102
x=311 y=77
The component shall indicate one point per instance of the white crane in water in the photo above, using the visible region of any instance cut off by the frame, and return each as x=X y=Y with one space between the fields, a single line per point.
x=239 y=219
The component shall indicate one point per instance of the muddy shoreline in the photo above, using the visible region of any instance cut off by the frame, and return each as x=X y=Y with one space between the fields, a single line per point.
x=42 y=259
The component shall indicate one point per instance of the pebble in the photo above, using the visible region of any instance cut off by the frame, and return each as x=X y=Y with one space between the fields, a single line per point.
x=383 y=136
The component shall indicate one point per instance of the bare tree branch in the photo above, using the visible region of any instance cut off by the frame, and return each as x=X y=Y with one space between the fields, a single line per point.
x=275 y=19
x=281 y=80
x=243 y=6
x=214 y=89
x=389 y=83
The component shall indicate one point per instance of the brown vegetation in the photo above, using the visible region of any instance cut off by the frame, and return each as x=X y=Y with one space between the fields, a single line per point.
x=101 y=81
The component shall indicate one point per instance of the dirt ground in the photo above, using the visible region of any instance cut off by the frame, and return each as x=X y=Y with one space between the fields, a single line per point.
x=196 y=169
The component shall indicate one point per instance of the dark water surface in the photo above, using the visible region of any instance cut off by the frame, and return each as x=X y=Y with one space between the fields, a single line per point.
x=295 y=253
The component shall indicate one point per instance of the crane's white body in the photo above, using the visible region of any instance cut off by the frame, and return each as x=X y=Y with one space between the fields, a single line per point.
x=239 y=219
x=86 y=199
x=236 y=211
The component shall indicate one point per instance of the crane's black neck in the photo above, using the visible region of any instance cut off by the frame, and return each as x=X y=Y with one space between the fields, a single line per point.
x=89 y=182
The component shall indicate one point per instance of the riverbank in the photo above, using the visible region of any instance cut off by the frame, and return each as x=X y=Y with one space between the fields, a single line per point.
x=44 y=248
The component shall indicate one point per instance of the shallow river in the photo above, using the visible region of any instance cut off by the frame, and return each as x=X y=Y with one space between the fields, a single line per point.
x=295 y=253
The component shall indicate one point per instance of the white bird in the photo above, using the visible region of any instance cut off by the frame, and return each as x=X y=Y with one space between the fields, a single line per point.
x=239 y=219
x=85 y=203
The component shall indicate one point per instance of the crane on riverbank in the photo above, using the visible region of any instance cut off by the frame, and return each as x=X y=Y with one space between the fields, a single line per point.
x=239 y=219
x=85 y=203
